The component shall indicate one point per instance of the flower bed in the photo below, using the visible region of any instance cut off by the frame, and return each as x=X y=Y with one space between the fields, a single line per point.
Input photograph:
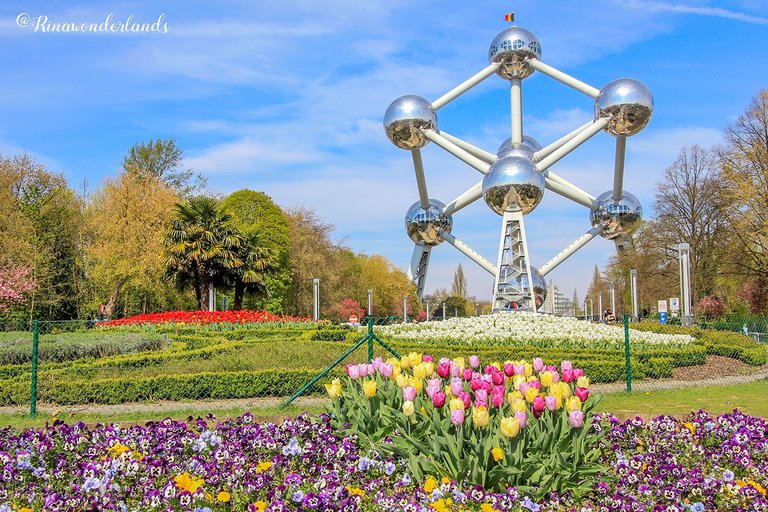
x=703 y=464
x=530 y=328
x=205 y=318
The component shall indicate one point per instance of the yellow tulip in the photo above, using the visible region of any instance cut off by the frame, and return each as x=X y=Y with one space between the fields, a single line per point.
x=517 y=380
x=415 y=358
x=514 y=395
x=396 y=371
x=510 y=427
x=401 y=380
x=408 y=408
x=416 y=383
x=457 y=404
x=369 y=388
x=572 y=403
x=333 y=388
x=531 y=393
x=528 y=369
x=419 y=371
x=582 y=382
x=480 y=416
x=430 y=368
x=518 y=405
x=496 y=365
x=497 y=453
x=459 y=362
x=448 y=393
x=547 y=378
x=405 y=363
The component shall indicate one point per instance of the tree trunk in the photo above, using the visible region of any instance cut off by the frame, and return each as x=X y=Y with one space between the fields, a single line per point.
x=203 y=288
x=109 y=309
x=239 y=293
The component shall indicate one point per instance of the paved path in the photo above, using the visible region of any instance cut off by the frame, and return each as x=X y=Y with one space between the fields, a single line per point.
x=659 y=384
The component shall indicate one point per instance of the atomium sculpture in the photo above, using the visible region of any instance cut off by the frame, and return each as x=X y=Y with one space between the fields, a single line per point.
x=516 y=176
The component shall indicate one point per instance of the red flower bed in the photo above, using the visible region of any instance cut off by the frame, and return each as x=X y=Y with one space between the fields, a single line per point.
x=206 y=317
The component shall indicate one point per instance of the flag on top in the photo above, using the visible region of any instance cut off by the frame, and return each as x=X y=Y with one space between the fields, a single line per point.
x=510 y=16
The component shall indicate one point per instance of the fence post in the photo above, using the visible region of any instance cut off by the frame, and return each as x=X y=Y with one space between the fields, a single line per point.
x=33 y=391
x=626 y=353
x=370 y=338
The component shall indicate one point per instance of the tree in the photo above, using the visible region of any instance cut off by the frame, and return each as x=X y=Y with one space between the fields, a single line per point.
x=15 y=283
x=347 y=308
x=201 y=246
x=258 y=263
x=755 y=292
x=459 y=286
x=163 y=159
x=128 y=219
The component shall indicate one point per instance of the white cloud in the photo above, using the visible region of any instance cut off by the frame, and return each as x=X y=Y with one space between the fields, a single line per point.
x=715 y=12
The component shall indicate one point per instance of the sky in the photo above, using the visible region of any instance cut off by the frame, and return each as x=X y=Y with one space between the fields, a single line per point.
x=288 y=98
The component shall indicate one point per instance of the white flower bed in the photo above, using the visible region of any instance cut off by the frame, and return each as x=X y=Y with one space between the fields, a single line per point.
x=524 y=327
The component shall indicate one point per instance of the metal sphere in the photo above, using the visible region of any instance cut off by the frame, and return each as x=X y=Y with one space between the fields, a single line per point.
x=513 y=47
x=617 y=218
x=405 y=120
x=526 y=150
x=627 y=103
x=513 y=183
x=425 y=225
x=539 y=285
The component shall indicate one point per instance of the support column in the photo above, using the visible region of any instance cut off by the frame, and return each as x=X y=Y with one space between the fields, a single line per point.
x=513 y=265
x=417 y=271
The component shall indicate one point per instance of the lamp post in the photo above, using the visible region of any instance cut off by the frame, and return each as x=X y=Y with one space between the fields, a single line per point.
x=405 y=309
x=633 y=280
x=613 y=299
x=370 y=302
x=427 y=311
x=315 y=299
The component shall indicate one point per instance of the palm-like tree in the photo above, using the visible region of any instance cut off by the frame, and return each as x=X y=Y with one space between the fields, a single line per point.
x=202 y=246
x=258 y=260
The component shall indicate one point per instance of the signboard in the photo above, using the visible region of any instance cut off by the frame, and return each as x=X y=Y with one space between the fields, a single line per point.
x=353 y=319
x=662 y=306
x=663 y=317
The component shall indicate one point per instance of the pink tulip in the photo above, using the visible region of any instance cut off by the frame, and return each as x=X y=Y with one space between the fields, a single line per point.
x=474 y=361
x=568 y=376
x=538 y=406
x=497 y=378
x=427 y=358
x=519 y=369
x=566 y=365
x=576 y=418
x=555 y=376
x=497 y=396
x=443 y=370
x=475 y=384
x=386 y=370
x=370 y=369
x=455 y=369
x=457 y=417
x=577 y=372
x=353 y=371
x=377 y=363
x=457 y=386
x=488 y=386
x=522 y=418
x=466 y=398
x=467 y=374
x=538 y=364
x=433 y=386
x=509 y=369
x=582 y=393
x=550 y=402
x=438 y=399
x=409 y=393
x=481 y=397
x=523 y=387
x=536 y=384
x=550 y=368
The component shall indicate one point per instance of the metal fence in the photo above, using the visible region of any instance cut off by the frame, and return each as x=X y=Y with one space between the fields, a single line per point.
x=79 y=369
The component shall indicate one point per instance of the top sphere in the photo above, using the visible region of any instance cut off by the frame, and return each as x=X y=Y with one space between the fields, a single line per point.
x=405 y=120
x=513 y=183
x=627 y=103
x=526 y=150
x=513 y=47
x=425 y=225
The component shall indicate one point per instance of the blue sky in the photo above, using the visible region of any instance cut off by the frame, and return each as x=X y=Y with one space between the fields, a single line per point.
x=288 y=98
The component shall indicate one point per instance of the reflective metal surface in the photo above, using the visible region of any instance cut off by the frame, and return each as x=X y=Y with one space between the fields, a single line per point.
x=513 y=183
x=628 y=103
x=512 y=47
x=405 y=119
x=617 y=218
x=425 y=225
x=525 y=150
x=539 y=285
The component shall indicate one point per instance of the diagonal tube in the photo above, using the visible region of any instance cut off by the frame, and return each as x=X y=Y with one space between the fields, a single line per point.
x=564 y=78
x=572 y=144
x=469 y=252
x=456 y=151
x=473 y=150
x=421 y=181
x=465 y=85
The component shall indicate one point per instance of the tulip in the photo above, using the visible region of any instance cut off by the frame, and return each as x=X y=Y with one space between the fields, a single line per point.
x=433 y=386
x=568 y=376
x=510 y=427
x=369 y=388
x=401 y=380
x=459 y=362
x=438 y=399
x=523 y=388
x=333 y=388
x=538 y=406
x=518 y=405
x=551 y=402
x=467 y=374
x=415 y=358
x=528 y=369
x=377 y=363
x=456 y=370
x=474 y=361
x=576 y=418
x=566 y=365
x=582 y=382
x=353 y=371
x=480 y=416
x=386 y=370
x=427 y=359
x=409 y=393
x=419 y=371
x=550 y=368
x=457 y=386
x=536 y=384
x=497 y=378
x=457 y=417
x=573 y=404
x=429 y=366
x=509 y=369
x=538 y=364
x=369 y=369
x=582 y=393
x=481 y=397
x=443 y=370
x=578 y=372
x=531 y=394
x=466 y=398
x=456 y=404
x=408 y=408
x=405 y=363
x=522 y=418
x=519 y=369
x=516 y=380
x=417 y=383
x=497 y=396
x=547 y=378
x=475 y=384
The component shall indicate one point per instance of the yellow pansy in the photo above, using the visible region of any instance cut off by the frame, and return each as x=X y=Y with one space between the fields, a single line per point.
x=185 y=482
x=355 y=491
x=486 y=507
x=263 y=466
x=430 y=485
x=223 y=497
x=497 y=453
x=260 y=506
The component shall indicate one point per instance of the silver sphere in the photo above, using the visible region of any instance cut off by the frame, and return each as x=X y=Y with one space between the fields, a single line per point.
x=629 y=105
x=513 y=183
x=617 y=218
x=405 y=120
x=526 y=150
x=539 y=285
x=426 y=225
x=513 y=47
